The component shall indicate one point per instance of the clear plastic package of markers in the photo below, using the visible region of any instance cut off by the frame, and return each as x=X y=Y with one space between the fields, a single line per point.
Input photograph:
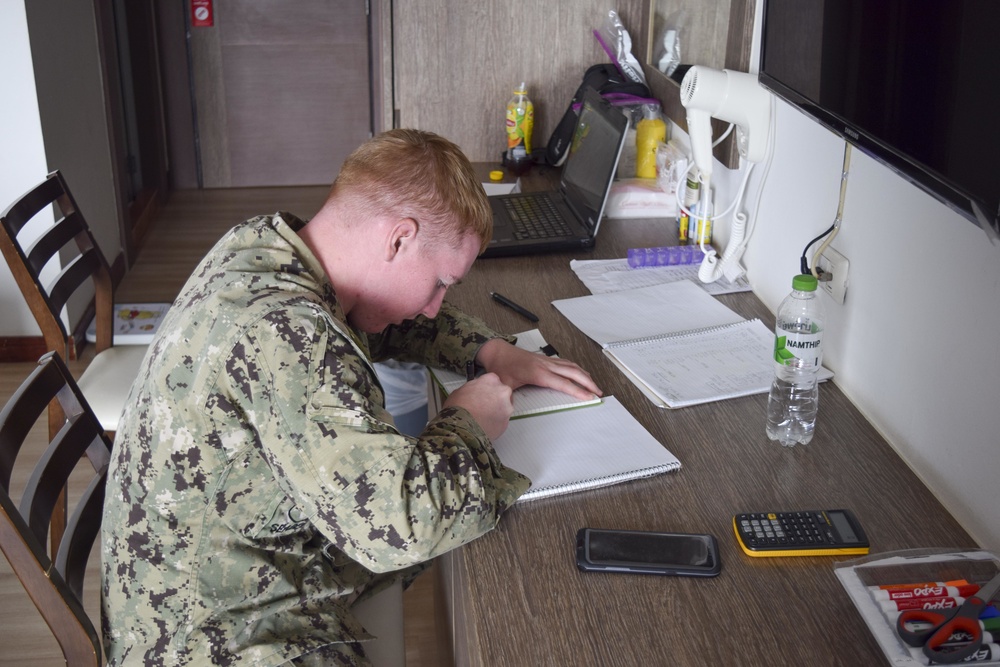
x=867 y=579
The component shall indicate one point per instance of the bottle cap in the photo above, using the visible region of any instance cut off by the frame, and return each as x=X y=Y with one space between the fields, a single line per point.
x=804 y=283
x=496 y=175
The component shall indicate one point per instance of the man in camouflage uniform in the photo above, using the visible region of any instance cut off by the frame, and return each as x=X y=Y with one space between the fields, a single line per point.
x=258 y=487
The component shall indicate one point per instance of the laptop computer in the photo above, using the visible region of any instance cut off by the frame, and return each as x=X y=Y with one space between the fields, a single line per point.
x=567 y=218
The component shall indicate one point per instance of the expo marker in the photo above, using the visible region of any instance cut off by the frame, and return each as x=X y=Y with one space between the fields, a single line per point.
x=959 y=637
x=897 y=587
x=986 y=652
x=991 y=625
x=922 y=603
x=923 y=592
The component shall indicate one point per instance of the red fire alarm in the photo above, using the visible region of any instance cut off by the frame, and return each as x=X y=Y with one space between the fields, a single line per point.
x=202 y=15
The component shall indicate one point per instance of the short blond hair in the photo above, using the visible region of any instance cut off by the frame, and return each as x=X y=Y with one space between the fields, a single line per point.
x=419 y=175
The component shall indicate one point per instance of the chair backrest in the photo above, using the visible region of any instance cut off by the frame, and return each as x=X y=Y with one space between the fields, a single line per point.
x=82 y=262
x=54 y=585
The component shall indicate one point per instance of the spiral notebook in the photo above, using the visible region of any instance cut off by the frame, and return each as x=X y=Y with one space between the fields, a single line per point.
x=692 y=367
x=678 y=344
x=528 y=400
x=566 y=452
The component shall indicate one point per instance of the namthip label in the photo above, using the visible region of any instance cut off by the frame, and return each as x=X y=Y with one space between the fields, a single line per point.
x=802 y=350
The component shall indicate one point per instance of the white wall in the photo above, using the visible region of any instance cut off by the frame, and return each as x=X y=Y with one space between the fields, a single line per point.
x=916 y=345
x=22 y=159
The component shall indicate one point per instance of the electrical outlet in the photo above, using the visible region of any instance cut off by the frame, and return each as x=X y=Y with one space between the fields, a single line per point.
x=835 y=266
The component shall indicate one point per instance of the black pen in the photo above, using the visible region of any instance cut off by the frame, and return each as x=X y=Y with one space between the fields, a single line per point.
x=470 y=371
x=500 y=298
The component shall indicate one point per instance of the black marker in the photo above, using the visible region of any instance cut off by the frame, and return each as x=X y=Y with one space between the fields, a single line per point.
x=500 y=298
x=470 y=371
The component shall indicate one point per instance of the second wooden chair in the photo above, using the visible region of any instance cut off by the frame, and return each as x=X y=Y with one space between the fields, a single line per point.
x=55 y=584
x=69 y=244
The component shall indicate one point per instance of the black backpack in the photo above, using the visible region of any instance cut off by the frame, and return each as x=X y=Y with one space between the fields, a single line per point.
x=613 y=86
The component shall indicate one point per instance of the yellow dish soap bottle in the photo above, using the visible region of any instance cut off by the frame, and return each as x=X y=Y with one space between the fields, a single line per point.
x=650 y=132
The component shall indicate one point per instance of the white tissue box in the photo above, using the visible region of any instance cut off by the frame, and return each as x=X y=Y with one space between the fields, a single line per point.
x=639 y=198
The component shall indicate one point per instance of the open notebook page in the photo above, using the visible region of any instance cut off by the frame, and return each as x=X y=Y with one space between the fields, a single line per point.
x=646 y=311
x=528 y=400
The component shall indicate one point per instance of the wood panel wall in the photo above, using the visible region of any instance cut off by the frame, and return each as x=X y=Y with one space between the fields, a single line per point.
x=719 y=34
x=456 y=63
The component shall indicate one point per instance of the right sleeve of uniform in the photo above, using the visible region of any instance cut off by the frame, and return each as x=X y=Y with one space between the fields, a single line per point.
x=386 y=500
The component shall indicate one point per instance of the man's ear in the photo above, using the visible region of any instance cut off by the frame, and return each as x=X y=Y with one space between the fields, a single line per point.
x=402 y=234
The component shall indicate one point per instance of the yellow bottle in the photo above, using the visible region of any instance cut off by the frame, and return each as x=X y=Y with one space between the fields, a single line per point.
x=520 y=123
x=649 y=133
x=684 y=228
x=703 y=233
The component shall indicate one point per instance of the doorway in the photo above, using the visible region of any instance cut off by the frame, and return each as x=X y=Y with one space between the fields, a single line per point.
x=142 y=177
x=281 y=91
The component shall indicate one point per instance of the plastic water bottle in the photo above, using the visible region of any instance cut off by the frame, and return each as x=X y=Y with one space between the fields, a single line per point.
x=798 y=353
x=520 y=124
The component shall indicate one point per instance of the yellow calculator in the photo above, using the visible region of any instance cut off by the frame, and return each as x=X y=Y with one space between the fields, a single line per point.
x=806 y=533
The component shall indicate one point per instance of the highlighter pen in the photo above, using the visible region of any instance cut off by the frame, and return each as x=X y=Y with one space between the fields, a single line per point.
x=520 y=310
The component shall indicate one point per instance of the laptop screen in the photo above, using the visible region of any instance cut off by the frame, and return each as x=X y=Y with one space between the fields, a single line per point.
x=593 y=156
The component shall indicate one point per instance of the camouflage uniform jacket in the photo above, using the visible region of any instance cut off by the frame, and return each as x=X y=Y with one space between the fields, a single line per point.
x=258 y=485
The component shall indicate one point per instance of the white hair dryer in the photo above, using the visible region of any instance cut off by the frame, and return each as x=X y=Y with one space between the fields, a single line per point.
x=737 y=98
x=734 y=97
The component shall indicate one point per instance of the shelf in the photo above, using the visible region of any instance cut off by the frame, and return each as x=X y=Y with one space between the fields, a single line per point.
x=736 y=56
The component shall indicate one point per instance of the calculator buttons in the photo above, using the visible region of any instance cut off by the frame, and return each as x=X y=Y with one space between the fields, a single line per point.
x=793 y=534
x=785 y=529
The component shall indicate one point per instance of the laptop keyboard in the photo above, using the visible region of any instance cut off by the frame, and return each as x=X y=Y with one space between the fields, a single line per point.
x=535 y=218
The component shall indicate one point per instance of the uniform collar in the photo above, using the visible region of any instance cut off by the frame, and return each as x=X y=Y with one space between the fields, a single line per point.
x=288 y=226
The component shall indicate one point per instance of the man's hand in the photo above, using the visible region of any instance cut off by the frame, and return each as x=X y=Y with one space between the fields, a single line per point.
x=517 y=367
x=489 y=401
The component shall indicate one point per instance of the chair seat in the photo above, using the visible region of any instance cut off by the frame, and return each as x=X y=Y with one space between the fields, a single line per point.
x=108 y=379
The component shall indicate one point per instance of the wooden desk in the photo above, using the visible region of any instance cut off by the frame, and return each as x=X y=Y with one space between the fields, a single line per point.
x=517 y=597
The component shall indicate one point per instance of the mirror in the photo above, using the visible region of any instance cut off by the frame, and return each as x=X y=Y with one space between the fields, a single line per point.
x=717 y=33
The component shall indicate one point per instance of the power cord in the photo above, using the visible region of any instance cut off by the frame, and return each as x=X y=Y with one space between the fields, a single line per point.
x=803 y=261
x=830 y=233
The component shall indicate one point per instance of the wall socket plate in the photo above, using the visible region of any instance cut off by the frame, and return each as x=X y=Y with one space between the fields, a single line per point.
x=836 y=265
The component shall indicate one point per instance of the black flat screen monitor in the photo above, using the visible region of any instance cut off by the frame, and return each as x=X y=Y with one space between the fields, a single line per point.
x=914 y=83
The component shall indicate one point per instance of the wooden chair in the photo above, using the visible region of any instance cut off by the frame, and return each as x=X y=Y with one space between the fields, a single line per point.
x=108 y=378
x=55 y=585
